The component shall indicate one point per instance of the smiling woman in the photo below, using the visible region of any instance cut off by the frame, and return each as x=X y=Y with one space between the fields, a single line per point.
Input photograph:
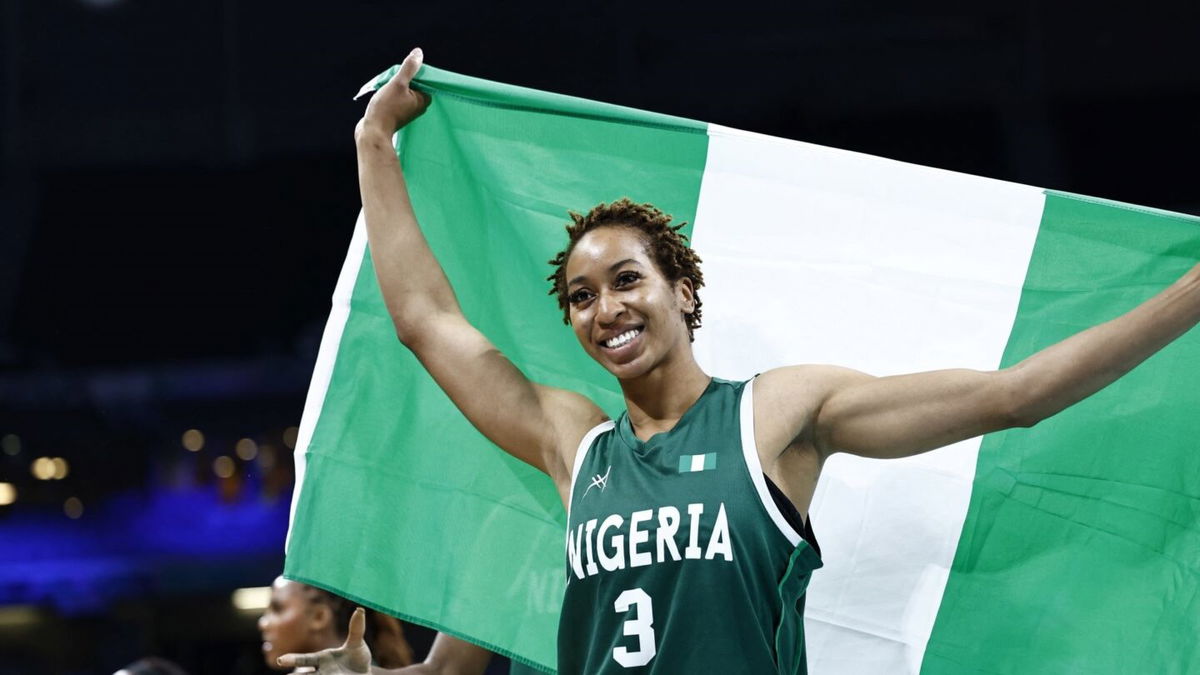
x=621 y=263
x=662 y=241
x=689 y=546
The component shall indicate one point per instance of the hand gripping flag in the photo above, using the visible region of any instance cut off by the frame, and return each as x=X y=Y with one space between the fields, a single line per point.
x=1073 y=546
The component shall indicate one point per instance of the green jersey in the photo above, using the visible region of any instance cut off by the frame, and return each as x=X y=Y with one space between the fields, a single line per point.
x=678 y=558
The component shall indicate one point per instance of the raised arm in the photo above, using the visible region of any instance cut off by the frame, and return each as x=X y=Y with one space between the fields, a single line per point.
x=535 y=423
x=847 y=411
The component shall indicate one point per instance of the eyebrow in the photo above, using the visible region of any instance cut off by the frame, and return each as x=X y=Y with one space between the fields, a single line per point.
x=611 y=269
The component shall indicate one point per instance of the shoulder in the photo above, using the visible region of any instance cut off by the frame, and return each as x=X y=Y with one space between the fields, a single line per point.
x=787 y=401
x=808 y=380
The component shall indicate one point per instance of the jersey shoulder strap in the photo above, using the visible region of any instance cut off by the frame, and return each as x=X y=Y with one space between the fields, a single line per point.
x=585 y=444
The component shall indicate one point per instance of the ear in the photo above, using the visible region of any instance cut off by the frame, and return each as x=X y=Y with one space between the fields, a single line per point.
x=685 y=295
x=320 y=616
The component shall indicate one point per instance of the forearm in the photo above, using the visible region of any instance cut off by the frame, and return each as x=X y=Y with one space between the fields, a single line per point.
x=415 y=669
x=410 y=277
x=903 y=415
x=1085 y=363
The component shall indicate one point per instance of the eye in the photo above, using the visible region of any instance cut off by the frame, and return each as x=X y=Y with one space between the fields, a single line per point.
x=626 y=278
x=579 y=296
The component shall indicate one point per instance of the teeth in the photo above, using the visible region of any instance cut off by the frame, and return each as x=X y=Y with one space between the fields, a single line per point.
x=622 y=338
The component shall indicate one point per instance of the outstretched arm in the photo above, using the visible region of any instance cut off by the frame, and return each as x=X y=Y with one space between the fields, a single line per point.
x=903 y=415
x=535 y=423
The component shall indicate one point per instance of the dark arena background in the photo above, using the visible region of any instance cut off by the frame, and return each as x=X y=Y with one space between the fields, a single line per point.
x=178 y=190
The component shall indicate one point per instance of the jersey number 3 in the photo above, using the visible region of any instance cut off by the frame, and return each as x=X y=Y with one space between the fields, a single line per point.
x=640 y=626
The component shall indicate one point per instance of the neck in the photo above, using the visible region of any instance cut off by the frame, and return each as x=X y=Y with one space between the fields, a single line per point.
x=659 y=398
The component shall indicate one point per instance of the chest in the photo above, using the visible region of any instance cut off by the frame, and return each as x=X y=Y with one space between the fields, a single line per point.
x=675 y=499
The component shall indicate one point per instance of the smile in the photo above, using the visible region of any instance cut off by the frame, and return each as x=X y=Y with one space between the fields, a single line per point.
x=623 y=338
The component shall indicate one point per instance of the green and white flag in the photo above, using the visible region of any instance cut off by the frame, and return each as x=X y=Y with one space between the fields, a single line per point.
x=1070 y=547
x=702 y=462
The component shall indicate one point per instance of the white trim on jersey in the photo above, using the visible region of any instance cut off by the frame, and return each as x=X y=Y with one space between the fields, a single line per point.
x=584 y=446
x=750 y=451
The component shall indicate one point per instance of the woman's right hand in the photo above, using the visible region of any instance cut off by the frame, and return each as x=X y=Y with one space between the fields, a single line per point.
x=352 y=658
x=395 y=104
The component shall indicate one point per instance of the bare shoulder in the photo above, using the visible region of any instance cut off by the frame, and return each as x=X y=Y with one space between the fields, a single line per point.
x=798 y=385
x=787 y=400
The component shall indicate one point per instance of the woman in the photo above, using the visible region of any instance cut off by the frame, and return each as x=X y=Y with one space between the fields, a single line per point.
x=303 y=618
x=688 y=543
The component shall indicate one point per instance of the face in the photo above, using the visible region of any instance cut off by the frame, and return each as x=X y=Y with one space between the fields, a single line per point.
x=287 y=625
x=624 y=312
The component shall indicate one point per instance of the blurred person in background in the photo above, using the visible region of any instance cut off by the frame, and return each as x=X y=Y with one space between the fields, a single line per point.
x=448 y=656
x=303 y=618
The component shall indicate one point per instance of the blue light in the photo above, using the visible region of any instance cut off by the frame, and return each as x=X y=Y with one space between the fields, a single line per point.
x=137 y=543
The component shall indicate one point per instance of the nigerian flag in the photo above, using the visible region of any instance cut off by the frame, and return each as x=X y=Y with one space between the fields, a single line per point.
x=1073 y=546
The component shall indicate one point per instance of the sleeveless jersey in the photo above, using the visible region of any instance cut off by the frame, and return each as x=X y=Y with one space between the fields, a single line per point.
x=678 y=559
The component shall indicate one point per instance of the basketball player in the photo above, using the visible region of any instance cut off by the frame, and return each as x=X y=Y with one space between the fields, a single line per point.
x=689 y=549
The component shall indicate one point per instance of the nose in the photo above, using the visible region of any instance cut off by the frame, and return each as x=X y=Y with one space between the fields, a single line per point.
x=609 y=309
x=262 y=622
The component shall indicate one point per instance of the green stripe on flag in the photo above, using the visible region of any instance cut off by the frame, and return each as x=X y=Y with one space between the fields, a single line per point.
x=397 y=482
x=445 y=85
x=1081 y=548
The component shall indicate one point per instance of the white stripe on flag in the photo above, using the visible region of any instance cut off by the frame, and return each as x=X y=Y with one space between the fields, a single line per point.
x=817 y=255
x=323 y=370
x=697 y=462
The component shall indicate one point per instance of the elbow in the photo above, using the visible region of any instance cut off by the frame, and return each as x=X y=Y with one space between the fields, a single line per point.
x=416 y=330
x=413 y=337
x=409 y=322
x=1022 y=419
x=406 y=331
x=415 y=318
x=1019 y=405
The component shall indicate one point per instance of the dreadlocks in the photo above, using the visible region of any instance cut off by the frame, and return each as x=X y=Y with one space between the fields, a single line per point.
x=664 y=242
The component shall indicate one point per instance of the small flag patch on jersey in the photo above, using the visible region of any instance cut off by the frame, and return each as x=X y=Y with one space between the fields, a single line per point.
x=705 y=462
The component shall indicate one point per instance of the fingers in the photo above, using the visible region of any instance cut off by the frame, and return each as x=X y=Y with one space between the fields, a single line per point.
x=299 y=660
x=410 y=66
x=358 y=626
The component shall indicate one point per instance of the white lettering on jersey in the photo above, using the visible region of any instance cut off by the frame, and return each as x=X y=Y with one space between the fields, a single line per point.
x=609 y=544
x=574 y=541
x=692 y=552
x=639 y=558
x=668 y=525
x=591 y=562
x=718 y=543
x=617 y=561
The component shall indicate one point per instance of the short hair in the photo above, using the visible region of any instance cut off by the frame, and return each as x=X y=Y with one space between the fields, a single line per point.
x=665 y=243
